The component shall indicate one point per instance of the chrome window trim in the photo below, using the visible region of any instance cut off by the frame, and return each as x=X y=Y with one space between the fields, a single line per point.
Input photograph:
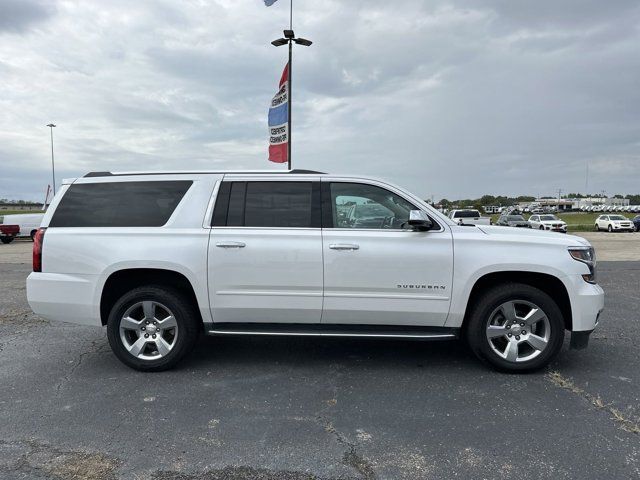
x=208 y=214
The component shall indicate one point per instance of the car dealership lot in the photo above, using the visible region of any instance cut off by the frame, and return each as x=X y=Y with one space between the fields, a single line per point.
x=298 y=408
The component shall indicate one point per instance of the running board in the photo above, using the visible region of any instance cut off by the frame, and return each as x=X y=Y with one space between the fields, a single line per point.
x=333 y=330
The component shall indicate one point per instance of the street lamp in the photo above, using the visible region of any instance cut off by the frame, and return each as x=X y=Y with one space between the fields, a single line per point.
x=53 y=165
x=290 y=38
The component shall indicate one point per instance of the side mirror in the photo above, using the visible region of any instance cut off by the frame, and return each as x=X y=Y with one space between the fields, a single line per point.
x=420 y=221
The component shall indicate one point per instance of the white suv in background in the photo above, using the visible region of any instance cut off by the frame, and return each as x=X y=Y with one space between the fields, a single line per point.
x=614 y=223
x=547 y=222
x=159 y=258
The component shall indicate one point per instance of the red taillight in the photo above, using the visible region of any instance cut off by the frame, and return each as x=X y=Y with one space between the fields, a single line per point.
x=37 y=250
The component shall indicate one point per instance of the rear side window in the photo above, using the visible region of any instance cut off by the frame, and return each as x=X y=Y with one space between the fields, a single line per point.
x=124 y=204
x=268 y=204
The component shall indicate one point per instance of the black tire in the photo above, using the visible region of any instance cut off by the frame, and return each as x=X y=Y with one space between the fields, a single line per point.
x=480 y=316
x=597 y=227
x=33 y=235
x=610 y=229
x=185 y=314
x=6 y=240
x=541 y=227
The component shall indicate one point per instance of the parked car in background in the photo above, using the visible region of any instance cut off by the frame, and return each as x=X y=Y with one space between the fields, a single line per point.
x=547 y=222
x=28 y=223
x=469 y=217
x=614 y=223
x=8 y=232
x=513 y=221
x=636 y=223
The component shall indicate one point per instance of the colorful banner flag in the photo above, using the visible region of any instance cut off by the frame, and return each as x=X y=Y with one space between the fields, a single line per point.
x=279 y=121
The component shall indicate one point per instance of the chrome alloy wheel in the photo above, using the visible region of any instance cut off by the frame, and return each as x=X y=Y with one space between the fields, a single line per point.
x=148 y=330
x=518 y=331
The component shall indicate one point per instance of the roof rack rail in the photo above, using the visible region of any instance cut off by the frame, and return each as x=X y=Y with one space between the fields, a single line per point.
x=306 y=171
x=266 y=172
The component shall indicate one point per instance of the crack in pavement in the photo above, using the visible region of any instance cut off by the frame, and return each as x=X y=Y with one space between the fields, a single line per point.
x=351 y=457
x=624 y=423
x=77 y=364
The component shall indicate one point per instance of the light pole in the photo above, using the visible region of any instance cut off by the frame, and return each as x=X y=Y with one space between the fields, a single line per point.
x=53 y=165
x=290 y=38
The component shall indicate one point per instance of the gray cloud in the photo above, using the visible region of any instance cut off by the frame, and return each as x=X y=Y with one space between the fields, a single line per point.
x=451 y=99
x=17 y=16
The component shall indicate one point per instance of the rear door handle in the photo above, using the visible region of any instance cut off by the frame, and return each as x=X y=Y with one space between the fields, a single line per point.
x=344 y=246
x=230 y=245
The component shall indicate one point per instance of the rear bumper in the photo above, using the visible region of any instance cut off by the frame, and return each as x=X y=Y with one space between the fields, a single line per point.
x=62 y=297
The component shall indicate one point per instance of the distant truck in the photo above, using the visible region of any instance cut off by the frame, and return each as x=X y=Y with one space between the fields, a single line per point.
x=469 y=217
x=8 y=233
x=27 y=223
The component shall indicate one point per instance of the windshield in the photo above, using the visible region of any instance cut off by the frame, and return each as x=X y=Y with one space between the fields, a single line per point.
x=548 y=217
x=515 y=218
x=467 y=214
x=617 y=217
x=371 y=210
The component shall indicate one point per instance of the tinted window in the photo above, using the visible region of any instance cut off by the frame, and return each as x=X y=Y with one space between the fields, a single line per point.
x=268 y=204
x=467 y=214
x=124 y=204
x=356 y=205
x=515 y=218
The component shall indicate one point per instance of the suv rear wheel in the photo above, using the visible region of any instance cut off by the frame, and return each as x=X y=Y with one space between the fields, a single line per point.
x=152 y=328
x=516 y=328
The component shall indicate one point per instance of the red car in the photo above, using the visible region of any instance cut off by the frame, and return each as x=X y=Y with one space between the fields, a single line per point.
x=8 y=233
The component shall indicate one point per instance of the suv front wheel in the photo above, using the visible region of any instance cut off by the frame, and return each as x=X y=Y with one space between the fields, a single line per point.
x=516 y=328
x=152 y=328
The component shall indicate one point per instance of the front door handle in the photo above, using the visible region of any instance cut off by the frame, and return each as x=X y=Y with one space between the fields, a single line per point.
x=230 y=245
x=344 y=246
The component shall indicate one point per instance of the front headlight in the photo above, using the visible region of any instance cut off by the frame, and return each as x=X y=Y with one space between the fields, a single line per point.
x=586 y=255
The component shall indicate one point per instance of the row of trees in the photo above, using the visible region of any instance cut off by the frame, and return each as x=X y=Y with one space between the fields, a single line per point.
x=506 y=201
x=15 y=202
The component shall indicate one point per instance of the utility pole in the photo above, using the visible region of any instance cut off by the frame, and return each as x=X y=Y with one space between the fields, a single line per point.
x=586 y=182
x=559 y=195
x=290 y=38
x=53 y=165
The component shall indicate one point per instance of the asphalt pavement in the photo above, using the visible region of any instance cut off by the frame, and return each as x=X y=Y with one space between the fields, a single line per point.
x=302 y=408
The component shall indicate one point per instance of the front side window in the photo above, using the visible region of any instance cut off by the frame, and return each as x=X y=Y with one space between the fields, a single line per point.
x=267 y=204
x=355 y=205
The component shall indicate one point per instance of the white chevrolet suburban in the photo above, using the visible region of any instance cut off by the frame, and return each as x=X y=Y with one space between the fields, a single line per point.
x=158 y=258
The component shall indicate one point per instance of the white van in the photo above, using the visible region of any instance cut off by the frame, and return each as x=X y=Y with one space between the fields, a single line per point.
x=28 y=223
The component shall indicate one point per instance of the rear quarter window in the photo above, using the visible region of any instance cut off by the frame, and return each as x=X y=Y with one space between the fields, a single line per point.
x=119 y=204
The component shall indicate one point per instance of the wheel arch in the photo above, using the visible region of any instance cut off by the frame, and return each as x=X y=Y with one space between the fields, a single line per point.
x=122 y=281
x=550 y=284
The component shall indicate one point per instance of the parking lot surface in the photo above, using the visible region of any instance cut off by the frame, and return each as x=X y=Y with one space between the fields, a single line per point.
x=265 y=408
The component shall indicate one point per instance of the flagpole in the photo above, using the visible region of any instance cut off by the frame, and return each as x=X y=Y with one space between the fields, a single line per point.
x=289 y=38
x=289 y=104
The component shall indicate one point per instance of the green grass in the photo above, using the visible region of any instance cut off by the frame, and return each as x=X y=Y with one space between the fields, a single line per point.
x=577 y=221
x=18 y=212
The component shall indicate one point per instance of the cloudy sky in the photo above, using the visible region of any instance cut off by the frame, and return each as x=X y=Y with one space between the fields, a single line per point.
x=450 y=99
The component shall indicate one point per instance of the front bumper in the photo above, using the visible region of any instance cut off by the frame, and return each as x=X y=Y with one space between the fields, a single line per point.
x=587 y=301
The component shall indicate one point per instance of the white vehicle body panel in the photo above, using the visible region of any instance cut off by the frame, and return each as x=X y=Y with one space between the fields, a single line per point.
x=293 y=275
